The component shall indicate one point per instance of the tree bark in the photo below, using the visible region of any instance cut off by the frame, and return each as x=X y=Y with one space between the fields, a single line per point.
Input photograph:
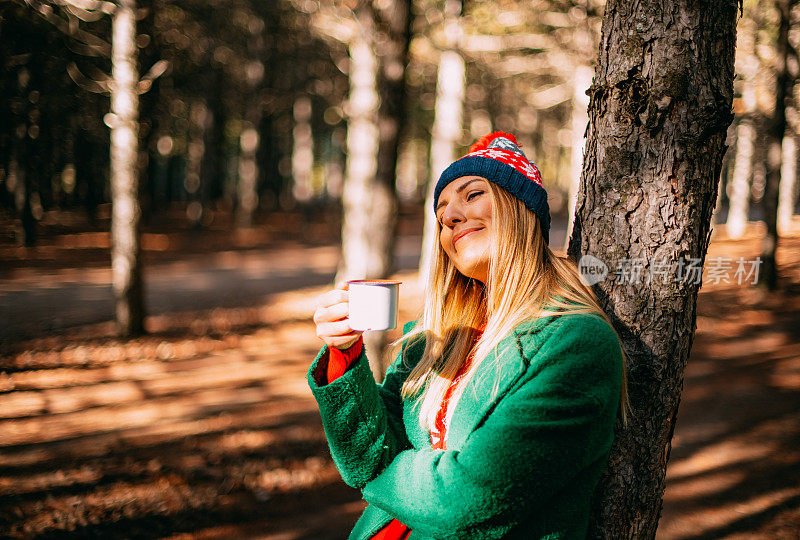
x=776 y=131
x=126 y=212
x=659 y=108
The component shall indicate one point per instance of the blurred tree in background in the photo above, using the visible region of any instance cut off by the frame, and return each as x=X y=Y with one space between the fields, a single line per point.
x=252 y=107
x=244 y=108
x=236 y=72
x=762 y=168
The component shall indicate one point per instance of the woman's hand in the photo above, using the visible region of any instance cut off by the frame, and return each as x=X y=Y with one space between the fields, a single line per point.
x=331 y=318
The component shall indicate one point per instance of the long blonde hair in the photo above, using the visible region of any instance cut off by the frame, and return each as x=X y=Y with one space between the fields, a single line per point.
x=524 y=276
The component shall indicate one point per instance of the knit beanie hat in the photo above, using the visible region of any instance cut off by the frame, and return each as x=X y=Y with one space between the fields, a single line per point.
x=498 y=158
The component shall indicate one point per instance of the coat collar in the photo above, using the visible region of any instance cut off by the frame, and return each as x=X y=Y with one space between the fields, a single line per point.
x=500 y=369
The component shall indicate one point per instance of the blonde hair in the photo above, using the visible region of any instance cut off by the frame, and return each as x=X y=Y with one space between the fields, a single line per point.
x=524 y=276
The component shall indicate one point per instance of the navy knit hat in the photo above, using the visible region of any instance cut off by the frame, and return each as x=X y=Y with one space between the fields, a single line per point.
x=498 y=158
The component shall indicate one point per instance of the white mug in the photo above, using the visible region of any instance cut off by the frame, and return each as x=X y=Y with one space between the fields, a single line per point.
x=373 y=304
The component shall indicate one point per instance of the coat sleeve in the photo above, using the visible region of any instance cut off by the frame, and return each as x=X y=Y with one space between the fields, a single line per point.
x=363 y=421
x=556 y=421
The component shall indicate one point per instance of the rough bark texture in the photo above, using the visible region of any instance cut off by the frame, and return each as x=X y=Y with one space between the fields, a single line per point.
x=775 y=132
x=659 y=108
x=126 y=212
x=378 y=59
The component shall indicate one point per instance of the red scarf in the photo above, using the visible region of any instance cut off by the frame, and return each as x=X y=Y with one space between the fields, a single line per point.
x=396 y=530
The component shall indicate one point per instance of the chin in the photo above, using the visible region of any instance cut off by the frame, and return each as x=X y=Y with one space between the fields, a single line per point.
x=474 y=272
x=473 y=266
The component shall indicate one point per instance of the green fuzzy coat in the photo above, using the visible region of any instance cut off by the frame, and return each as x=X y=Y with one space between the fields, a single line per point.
x=522 y=464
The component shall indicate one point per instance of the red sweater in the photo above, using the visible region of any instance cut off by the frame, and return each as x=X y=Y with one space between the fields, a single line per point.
x=339 y=361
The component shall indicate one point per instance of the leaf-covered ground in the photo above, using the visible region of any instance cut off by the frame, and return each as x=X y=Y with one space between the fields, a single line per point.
x=205 y=428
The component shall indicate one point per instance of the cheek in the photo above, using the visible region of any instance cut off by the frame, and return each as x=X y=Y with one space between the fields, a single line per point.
x=446 y=241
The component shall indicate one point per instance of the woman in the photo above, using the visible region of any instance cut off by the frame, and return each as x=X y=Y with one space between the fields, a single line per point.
x=497 y=417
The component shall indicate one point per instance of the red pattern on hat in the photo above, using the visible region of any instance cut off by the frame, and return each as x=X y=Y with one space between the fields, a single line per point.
x=484 y=141
x=520 y=163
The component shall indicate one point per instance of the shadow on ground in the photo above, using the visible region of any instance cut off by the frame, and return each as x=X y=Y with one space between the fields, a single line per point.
x=734 y=469
x=206 y=428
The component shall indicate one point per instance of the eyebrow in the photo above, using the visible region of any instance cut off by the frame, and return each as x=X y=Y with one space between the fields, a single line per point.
x=459 y=189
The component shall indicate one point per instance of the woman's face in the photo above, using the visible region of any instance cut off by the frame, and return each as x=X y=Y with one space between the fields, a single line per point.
x=464 y=211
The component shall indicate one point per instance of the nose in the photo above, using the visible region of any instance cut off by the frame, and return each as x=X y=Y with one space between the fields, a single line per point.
x=452 y=214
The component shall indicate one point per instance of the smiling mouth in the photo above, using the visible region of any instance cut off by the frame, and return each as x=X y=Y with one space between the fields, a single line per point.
x=462 y=234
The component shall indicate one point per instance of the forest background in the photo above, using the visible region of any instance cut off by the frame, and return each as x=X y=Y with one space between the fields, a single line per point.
x=270 y=145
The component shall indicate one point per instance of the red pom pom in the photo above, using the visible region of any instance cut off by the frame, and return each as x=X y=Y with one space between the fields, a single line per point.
x=483 y=142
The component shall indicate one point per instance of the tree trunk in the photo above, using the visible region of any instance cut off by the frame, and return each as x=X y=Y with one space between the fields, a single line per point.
x=739 y=204
x=582 y=81
x=199 y=123
x=377 y=107
x=247 y=186
x=302 y=151
x=447 y=123
x=788 y=190
x=362 y=158
x=393 y=38
x=249 y=140
x=775 y=134
x=85 y=178
x=126 y=213
x=724 y=178
x=20 y=183
x=740 y=185
x=659 y=108
x=215 y=156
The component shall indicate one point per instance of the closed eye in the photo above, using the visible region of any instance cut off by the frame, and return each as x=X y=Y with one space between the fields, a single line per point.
x=473 y=194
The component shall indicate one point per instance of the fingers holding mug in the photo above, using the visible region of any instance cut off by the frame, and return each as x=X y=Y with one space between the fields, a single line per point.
x=332 y=319
x=332 y=297
x=337 y=334
x=331 y=313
